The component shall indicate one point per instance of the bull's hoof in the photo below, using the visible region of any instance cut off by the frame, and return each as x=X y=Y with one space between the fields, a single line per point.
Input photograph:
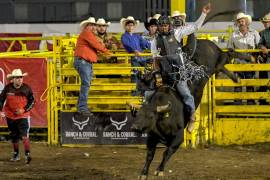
x=142 y=177
x=159 y=173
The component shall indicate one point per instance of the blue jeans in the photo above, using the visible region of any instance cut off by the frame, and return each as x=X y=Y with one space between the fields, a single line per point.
x=85 y=71
x=188 y=99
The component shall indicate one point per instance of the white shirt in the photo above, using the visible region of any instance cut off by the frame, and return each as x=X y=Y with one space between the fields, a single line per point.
x=180 y=32
x=240 y=41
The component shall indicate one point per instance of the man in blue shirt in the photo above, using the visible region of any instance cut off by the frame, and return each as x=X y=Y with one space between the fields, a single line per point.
x=133 y=43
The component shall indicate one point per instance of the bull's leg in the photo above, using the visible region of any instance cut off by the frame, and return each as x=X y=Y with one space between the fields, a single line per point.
x=151 y=149
x=176 y=142
x=231 y=75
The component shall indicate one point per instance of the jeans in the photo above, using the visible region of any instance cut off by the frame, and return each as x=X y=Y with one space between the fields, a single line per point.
x=85 y=71
x=188 y=99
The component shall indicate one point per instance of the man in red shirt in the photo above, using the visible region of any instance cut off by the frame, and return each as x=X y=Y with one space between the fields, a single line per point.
x=85 y=55
x=16 y=101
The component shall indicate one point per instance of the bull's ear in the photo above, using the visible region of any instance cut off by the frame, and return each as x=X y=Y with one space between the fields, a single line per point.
x=164 y=108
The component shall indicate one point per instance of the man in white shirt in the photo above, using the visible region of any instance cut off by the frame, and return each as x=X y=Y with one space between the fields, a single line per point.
x=244 y=38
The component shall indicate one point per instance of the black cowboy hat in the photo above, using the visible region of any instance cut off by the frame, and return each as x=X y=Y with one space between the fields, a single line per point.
x=150 y=23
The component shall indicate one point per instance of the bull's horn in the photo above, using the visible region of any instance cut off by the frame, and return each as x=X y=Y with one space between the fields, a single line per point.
x=131 y=105
x=164 y=108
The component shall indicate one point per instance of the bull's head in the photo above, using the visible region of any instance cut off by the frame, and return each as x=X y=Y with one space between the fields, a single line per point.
x=147 y=117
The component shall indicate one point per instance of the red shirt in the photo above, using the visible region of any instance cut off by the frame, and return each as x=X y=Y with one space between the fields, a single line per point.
x=88 y=45
x=21 y=98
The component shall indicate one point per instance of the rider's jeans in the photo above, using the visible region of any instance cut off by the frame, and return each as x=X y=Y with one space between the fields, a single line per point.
x=182 y=88
x=85 y=70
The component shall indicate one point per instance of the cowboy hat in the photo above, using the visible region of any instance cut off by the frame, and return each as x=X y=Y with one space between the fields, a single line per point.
x=242 y=15
x=123 y=21
x=266 y=18
x=90 y=20
x=16 y=73
x=177 y=13
x=102 y=22
x=151 y=22
x=156 y=16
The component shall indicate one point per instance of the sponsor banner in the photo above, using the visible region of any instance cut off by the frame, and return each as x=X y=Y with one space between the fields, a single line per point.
x=106 y=128
x=36 y=79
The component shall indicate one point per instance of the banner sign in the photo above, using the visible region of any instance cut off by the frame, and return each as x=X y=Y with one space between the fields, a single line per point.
x=106 y=128
x=36 y=79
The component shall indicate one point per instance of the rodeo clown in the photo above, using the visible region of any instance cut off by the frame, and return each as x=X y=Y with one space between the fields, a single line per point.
x=16 y=101
x=167 y=45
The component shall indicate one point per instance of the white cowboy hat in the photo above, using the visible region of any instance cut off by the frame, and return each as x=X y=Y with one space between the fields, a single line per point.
x=16 y=73
x=102 y=22
x=266 y=18
x=156 y=16
x=242 y=15
x=177 y=13
x=123 y=21
x=87 y=21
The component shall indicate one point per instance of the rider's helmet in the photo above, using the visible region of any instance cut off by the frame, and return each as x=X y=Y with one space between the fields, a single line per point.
x=164 y=25
x=164 y=20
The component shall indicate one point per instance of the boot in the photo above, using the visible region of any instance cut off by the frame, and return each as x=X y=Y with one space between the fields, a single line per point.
x=191 y=123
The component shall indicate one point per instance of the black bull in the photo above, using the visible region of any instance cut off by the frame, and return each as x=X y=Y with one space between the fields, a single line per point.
x=163 y=118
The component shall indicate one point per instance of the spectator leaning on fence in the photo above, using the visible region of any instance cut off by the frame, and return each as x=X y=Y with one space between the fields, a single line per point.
x=151 y=29
x=108 y=40
x=264 y=44
x=134 y=43
x=16 y=101
x=85 y=55
x=244 y=38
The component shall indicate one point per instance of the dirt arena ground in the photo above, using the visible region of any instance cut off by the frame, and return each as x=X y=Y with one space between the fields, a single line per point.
x=123 y=163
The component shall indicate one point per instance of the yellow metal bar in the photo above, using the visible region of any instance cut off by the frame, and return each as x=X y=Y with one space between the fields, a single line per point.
x=179 y=5
x=243 y=82
x=242 y=109
x=11 y=45
x=102 y=87
x=241 y=95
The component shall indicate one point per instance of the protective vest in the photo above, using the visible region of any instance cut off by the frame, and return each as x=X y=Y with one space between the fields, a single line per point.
x=167 y=44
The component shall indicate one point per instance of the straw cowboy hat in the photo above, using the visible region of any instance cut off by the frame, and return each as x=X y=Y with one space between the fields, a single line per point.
x=16 y=73
x=266 y=18
x=242 y=15
x=90 y=20
x=177 y=13
x=102 y=22
x=156 y=16
x=123 y=21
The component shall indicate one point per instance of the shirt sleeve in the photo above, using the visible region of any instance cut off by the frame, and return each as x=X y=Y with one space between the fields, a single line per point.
x=127 y=44
x=3 y=97
x=93 y=42
x=257 y=38
x=144 y=43
x=189 y=28
x=262 y=41
x=30 y=100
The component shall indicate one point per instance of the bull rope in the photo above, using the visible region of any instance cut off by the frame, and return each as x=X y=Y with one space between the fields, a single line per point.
x=188 y=70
